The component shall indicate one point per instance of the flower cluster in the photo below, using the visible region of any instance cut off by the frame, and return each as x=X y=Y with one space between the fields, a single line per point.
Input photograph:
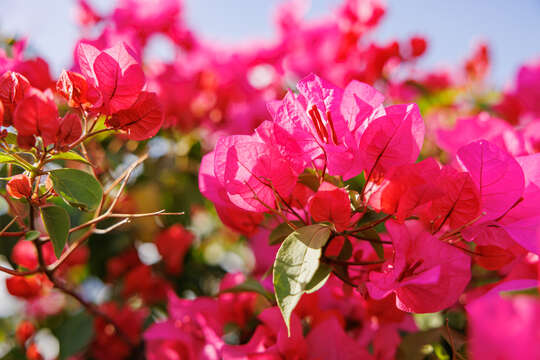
x=376 y=210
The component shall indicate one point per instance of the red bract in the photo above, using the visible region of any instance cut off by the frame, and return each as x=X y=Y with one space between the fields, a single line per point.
x=143 y=282
x=107 y=344
x=24 y=253
x=426 y=274
x=37 y=115
x=142 y=120
x=75 y=89
x=69 y=131
x=406 y=188
x=19 y=187
x=36 y=71
x=32 y=352
x=28 y=287
x=332 y=204
x=115 y=72
x=12 y=89
x=24 y=331
x=173 y=244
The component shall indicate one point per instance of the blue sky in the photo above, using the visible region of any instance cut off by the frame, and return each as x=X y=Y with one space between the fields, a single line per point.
x=511 y=27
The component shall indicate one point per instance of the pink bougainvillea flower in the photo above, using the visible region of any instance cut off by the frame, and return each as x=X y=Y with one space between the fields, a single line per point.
x=497 y=175
x=253 y=173
x=458 y=205
x=193 y=331
x=241 y=220
x=36 y=115
x=406 y=188
x=271 y=340
x=521 y=221
x=329 y=341
x=323 y=119
x=142 y=120
x=504 y=328
x=331 y=204
x=391 y=140
x=482 y=126
x=495 y=248
x=426 y=274
x=528 y=87
x=115 y=72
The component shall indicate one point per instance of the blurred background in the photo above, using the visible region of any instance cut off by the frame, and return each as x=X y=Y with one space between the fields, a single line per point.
x=452 y=27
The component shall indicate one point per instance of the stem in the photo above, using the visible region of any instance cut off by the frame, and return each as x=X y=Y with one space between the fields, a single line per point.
x=353 y=263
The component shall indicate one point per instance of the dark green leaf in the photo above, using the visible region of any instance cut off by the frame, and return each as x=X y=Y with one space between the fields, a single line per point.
x=296 y=268
x=75 y=334
x=281 y=231
x=56 y=221
x=77 y=187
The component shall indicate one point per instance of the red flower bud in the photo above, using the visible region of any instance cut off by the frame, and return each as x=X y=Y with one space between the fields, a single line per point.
x=24 y=331
x=19 y=186
x=32 y=353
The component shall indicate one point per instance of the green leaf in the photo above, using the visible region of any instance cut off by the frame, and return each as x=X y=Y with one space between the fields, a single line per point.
x=77 y=187
x=281 y=231
x=70 y=155
x=31 y=235
x=296 y=268
x=6 y=158
x=251 y=285
x=56 y=221
x=319 y=278
x=75 y=334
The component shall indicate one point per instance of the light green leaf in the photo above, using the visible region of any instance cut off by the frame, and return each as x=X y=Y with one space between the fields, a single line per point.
x=6 y=158
x=70 y=155
x=296 y=268
x=77 y=187
x=31 y=235
x=56 y=221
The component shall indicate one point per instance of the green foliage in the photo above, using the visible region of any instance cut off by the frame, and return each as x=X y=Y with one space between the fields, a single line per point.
x=281 y=231
x=75 y=334
x=56 y=221
x=297 y=268
x=77 y=187
x=70 y=155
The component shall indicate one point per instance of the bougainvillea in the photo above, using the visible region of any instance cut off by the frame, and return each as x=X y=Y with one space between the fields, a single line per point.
x=336 y=200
